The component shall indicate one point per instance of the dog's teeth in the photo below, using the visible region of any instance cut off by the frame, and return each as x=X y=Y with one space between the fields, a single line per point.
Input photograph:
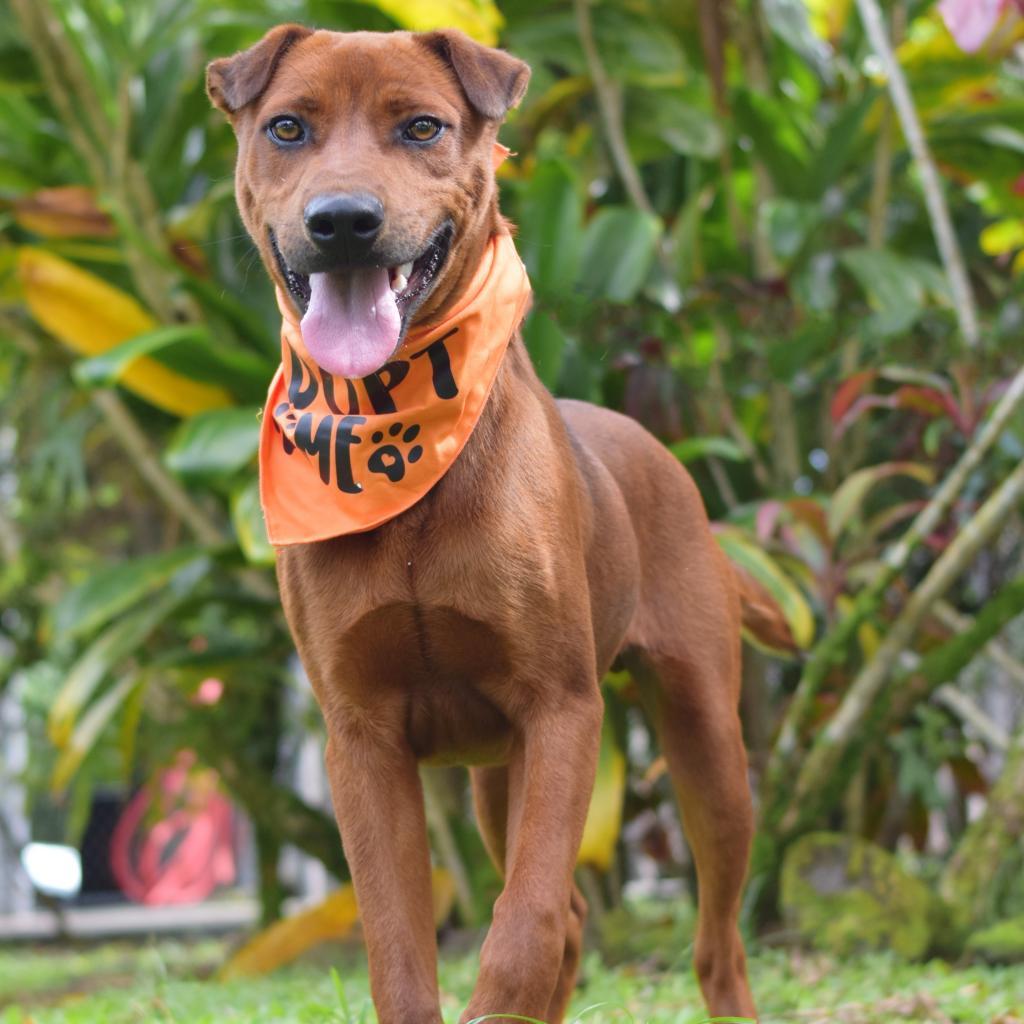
x=400 y=282
x=405 y=270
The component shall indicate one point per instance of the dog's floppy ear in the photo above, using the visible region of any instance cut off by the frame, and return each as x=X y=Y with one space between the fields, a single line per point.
x=493 y=81
x=234 y=82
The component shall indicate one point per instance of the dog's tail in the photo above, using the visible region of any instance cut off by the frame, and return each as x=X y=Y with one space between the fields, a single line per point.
x=762 y=617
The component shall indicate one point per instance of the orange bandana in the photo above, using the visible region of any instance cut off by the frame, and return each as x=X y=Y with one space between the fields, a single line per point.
x=340 y=456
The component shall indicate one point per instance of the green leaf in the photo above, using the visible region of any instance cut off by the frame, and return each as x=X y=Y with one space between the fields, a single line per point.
x=580 y=378
x=106 y=369
x=777 y=141
x=214 y=444
x=814 y=283
x=686 y=236
x=114 y=588
x=250 y=528
x=790 y=21
x=849 y=497
x=788 y=224
x=217 y=361
x=546 y=344
x=660 y=120
x=796 y=352
x=249 y=326
x=891 y=285
x=618 y=248
x=841 y=142
x=116 y=642
x=551 y=228
x=89 y=728
x=634 y=47
x=693 y=448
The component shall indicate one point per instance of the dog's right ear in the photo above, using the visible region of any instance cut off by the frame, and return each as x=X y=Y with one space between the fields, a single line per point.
x=234 y=82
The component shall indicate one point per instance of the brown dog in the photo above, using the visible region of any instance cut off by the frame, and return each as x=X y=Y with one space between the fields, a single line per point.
x=476 y=627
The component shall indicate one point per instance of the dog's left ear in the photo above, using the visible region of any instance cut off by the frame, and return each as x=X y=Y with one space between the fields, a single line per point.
x=493 y=81
x=234 y=82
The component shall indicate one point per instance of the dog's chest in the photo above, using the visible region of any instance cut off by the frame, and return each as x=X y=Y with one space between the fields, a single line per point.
x=443 y=622
x=450 y=674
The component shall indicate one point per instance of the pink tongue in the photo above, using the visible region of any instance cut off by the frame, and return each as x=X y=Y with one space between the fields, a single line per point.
x=352 y=324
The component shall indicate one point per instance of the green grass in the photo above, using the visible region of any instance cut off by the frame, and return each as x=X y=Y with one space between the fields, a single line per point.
x=125 y=985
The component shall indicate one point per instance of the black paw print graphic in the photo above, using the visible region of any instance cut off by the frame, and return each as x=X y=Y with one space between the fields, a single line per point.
x=388 y=458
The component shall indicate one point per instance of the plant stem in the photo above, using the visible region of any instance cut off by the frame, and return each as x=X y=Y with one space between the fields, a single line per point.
x=609 y=103
x=999 y=655
x=970 y=714
x=832 y=647
x=136 y=445
x=948 y=660
x=938 y=211
x=831 y=743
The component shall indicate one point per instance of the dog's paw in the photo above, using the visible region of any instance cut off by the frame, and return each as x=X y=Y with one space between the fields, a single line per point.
x=388 y=458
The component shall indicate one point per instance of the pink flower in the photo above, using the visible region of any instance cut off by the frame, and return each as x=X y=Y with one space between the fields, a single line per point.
x=209 y=692
x=971 y=22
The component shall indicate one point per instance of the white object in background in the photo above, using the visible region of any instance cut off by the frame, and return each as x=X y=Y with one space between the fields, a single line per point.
x=53 y=869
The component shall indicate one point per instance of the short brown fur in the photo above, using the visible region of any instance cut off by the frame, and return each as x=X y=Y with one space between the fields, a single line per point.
x=476 y=627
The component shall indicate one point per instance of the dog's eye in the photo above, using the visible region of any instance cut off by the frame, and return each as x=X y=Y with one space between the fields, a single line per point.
x=286 y=129
x=423 y=129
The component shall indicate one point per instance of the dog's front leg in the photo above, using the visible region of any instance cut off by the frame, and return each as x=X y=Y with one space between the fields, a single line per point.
x=551 y=775
x=379 y=805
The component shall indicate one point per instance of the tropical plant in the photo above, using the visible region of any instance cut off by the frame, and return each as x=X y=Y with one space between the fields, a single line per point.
x=812 y=295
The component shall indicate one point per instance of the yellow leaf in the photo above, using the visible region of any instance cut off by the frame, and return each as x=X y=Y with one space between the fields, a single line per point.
x=1002 y=237
x=828 y=17
x=333 y=919
x=480 y=19
x=929 y=43
x=89 y=316
x=604 y=816
x=867 y=634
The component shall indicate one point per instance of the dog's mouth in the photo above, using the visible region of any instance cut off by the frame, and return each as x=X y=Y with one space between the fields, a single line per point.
x=355 y=317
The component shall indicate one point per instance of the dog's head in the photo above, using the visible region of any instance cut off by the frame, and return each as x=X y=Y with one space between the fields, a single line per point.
x=365 y=174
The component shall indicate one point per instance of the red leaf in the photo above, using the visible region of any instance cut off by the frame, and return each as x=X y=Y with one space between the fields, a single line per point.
x=849 y=391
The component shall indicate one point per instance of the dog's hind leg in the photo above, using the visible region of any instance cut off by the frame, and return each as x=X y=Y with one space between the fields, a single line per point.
x=691 y=695
x=570 y=958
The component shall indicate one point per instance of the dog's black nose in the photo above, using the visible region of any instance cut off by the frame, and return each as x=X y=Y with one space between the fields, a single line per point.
x=344 y=224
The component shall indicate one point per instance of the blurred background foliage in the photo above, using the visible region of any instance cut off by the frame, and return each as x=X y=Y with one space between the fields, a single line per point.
x=727 y=239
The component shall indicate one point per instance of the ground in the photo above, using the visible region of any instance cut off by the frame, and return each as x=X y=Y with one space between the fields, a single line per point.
x=123 y=984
